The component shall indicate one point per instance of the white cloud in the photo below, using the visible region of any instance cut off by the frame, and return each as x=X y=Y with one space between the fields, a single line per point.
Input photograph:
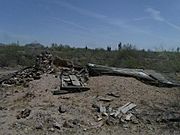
x=103 y=18
x=155 y=14
x=71 y=23
x=173 y=25
x=79 y=10
x=141 y=18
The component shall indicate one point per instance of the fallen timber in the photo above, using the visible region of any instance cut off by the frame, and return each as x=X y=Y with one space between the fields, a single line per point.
x=146 y=76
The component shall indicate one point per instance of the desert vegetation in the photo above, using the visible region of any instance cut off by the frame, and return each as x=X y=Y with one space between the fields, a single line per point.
x=12 y=55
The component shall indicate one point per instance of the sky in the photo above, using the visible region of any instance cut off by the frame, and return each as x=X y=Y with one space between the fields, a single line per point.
x=149 y=24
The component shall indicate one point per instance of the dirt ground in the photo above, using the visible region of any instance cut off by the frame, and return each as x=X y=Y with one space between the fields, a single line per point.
x=77 y=116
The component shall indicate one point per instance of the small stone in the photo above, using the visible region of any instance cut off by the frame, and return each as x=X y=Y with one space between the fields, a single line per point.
x=25 y=84
x=39 y=126
x=134 y=120
x=85 y=129
x=36 y=77
x=52 y=129
x=125 y=126
x=67 y=125
x=112 y=121
x=76 y=122
x=121 y=120
x=24 y=113
x=3 y=108
x=62 y=109
x=97 y=107
x=113 y=94
x=56 y=125
x=128 y=117
x=99 y=119
x=104 y=114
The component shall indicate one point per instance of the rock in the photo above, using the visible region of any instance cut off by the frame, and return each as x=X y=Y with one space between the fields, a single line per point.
x=25 y=84
x=24 y=113
x=104 y=114
x=3 y=108
x=102 y=109
x=134 y=120
x=97 y=125
x=121 y=120
x=39 y=126
x=56 y=125
x=169 y=117
x=52 y=129
x=112 y=121
x=96 y=107
x=67 y=124
x=125 y=126
x=128 y=117
x=36 y=77
x=113 y=94
x=105 y=99
x=62 y=109
x=76 y=122
x=99 y=119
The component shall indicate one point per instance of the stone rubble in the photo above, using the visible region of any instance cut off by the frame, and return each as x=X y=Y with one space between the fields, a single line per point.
x=44 y=64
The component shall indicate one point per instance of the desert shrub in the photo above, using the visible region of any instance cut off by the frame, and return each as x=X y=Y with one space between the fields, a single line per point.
x=13 y=55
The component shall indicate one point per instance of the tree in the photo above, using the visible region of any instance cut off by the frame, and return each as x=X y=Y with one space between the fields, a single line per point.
x=108 y=48
x=120 y=46
x=86 y=47
x=178 y=49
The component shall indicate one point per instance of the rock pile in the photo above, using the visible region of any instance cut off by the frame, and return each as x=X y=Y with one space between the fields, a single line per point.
x=44 y=62
x=22 y=77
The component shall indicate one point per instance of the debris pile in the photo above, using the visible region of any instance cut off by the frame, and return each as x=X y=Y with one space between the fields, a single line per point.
x=44 y=62
x=146 y=76
x=73 y=81
x=121 y=115
x=74 y=76
x=22 y=77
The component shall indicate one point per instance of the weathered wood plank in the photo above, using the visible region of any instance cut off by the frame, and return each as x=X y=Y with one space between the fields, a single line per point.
x=74 y=80
x=150 y=77
x=128 y=107
x=120 y=108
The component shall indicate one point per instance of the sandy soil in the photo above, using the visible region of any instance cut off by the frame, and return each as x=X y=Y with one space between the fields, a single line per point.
x=79 y=116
